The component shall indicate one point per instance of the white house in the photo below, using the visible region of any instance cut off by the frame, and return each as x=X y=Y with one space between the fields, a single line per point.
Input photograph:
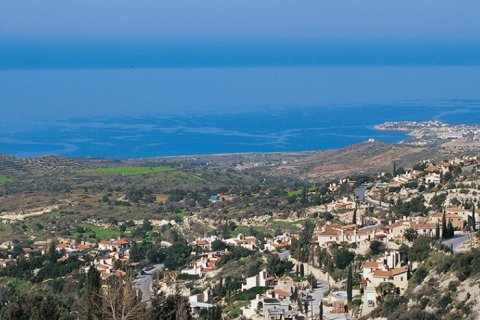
x=260 y=280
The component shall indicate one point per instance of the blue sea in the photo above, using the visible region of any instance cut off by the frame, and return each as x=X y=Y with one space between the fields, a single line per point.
x=136 y=113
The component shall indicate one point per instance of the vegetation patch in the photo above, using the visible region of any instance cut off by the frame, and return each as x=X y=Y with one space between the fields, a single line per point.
x=299 y=191
x=86 y=230
x=180 y=214
x=4 y=179
x=285 y=225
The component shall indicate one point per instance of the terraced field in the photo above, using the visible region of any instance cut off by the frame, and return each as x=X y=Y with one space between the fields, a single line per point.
x=127 y=170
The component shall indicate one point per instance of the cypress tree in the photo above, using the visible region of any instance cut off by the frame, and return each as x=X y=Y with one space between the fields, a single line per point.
x=302 y=270
x=437 y=232
x=135 y=254
x=320 y=262
x=350 y=284
x=354 y=219
x=451 y=230
x=320 y=311
x=444 y=226
x=474 y=223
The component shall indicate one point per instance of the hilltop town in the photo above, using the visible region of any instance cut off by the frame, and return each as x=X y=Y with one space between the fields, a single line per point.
x=435 y=133
x=224 y=243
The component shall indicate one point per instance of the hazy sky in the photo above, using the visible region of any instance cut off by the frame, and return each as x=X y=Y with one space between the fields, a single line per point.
x=200 y=19
x=144 y=34
x=59 y=35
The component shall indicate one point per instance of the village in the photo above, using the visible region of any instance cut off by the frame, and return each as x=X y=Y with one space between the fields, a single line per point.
x=348 y=255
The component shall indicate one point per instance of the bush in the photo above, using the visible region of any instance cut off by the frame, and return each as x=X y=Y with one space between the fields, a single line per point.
x=419 y=275
x=249 y=294
x=343 y=257
x=376 y=247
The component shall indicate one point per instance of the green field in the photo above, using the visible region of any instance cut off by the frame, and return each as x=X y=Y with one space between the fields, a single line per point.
x=127 y=170
x=100 y=233
x=4 y=179
x=285 y=225
x=299 y=191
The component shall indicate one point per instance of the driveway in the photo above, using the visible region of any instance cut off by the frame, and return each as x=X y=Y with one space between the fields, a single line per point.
x=143 y=283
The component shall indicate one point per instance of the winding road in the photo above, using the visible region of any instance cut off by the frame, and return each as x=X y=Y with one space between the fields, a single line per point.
x=143 y=283
x=457 y=241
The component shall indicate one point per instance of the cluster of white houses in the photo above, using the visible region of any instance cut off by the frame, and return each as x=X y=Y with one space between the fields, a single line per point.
x=330 y=233
x=277 y=243
x=108 y=254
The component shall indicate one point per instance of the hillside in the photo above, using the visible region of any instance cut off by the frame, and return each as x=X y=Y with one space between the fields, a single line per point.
x=362 y=157
x=14 y=166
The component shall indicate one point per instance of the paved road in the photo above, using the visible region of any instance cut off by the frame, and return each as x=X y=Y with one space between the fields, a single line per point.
x=360 y=191
x=372 y=227
x=457 y=241
x=317 y=295
x=143 y=283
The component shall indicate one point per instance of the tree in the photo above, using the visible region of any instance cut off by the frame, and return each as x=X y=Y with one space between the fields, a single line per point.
x=295 y=293
x=419 y=275
x=53 y=254
x=91 y=305
x=343 y=257
x=437 y=232
x=302 y=270
x=171 y=307
x=121 y=302
x=410 y=234
x=277 y=267
x=444 y=226
x=38 y=305
x=354 y=218
x=450 y=229
x=305 y=307
x=320 y=311
x=300 y=248
x=135 y=254
x=376 y=247
x=215 y=313
x=349 y=284
x=147 y=226
x=312 y=281
x=177 y=255
x=474 y=223
x=385 y=289
x=218 y=245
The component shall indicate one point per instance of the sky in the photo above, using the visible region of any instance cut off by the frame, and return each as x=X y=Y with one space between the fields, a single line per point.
x=87 y=19
x=189 y=33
